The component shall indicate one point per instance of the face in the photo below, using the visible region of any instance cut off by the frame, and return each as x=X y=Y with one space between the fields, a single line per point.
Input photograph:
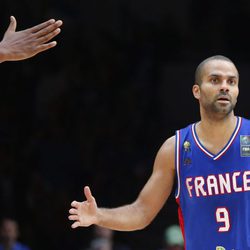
x=9 y=230
x=218 y=90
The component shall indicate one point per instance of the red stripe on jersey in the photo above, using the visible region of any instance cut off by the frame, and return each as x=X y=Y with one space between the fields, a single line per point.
x=181 y=221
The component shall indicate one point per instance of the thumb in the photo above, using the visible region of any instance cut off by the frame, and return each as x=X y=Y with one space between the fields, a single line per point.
x=12 y=25
x=88 y=194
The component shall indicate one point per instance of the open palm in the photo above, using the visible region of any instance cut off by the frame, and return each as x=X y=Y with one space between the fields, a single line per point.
x=84 y=213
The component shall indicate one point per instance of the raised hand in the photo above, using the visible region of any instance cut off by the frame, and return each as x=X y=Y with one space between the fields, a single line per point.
x=20 y=45
x=84 y=213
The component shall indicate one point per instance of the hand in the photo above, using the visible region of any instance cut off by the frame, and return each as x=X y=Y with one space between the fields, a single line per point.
x=20 y=45
x=84 y=213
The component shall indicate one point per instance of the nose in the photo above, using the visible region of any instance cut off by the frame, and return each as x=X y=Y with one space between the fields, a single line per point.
x=224 y=86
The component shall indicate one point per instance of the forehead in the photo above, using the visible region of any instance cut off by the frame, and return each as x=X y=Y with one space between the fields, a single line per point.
x=220 y=68
x=9 y=224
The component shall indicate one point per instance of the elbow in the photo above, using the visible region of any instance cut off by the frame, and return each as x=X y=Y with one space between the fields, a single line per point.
x=145 y=222
x=143 y=226
x=145 y=218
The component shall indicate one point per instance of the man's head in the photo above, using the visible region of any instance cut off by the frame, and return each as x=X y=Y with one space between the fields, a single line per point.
x=9 y=231
x=216 y=85
x=200 y=69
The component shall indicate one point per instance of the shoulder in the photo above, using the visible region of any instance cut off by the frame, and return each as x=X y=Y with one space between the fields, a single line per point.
x=243 y=123
x=20 y=246
x=245 y=120
x=166 y=153
x=168 y=146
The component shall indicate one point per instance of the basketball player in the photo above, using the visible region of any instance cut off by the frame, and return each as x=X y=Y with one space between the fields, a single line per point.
x=20 y=45
x=211 y=161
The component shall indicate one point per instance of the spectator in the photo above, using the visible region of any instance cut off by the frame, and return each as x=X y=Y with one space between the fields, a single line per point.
x=173 y=239
x=103 y=239
x=9 y=233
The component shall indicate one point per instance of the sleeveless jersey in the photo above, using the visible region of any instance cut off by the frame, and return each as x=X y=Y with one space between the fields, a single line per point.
x=213 y=191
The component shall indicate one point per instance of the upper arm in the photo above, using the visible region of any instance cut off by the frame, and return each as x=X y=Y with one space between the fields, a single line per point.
x=159 y=186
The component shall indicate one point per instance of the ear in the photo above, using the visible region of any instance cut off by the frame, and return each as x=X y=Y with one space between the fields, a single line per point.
x=196 y=91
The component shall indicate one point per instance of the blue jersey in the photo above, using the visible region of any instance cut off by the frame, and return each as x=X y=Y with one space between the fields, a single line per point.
x=17 y=246
x=213 y=191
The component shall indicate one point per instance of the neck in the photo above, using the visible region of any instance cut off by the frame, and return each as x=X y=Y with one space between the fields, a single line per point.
x=8 y=245
x=214 y=134
x=216 y=124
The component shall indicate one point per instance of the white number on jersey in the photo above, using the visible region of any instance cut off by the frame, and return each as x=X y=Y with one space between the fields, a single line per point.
x=222 y=216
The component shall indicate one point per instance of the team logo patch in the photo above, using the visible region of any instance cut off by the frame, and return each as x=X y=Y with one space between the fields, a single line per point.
x=187 y=146
x=187 y=161
x=245 y=145
x=220 y=248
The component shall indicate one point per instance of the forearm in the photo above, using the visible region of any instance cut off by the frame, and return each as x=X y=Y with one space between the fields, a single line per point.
x=126 y=218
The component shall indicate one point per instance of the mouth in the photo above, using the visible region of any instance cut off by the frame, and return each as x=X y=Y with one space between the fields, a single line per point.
x=223 y=99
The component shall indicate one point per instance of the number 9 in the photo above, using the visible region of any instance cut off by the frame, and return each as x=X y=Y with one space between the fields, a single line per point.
x=222 y=216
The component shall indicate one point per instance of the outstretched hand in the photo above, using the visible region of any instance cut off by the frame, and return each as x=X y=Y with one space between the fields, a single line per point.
x=84 y=213
x=20 y=45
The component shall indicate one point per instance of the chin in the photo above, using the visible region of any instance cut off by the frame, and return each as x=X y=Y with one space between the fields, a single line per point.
x=224 y=110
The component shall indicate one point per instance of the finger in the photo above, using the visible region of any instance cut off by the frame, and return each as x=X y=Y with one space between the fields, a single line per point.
x=12 y=25
x=88 y=194
x=49 y=29
x=40 y=26
x=73 y=211
x=75 y=204
x=47 y=36
x=73 y=217
x=75 y=224
x=44 y=47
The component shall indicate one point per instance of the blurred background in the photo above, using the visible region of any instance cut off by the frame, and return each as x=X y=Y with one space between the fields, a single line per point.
x=95 y=109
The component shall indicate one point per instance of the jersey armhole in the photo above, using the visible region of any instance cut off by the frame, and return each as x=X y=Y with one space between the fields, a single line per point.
x=177 y=163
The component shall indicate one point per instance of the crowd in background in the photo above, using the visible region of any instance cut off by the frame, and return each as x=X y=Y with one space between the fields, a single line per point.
x=95 y=109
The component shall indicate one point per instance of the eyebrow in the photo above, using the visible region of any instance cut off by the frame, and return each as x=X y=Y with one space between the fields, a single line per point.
x=219 y=75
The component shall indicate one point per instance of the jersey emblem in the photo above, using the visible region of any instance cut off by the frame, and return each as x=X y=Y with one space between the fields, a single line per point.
x=187 y=146
x=220 y=248
x=245 y=145
x=187 y=161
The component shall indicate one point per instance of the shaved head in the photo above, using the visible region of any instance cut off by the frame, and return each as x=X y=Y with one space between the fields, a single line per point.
x=200 y=68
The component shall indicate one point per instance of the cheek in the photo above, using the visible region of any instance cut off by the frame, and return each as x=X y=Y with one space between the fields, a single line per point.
x=207 y=94
x=235 y=94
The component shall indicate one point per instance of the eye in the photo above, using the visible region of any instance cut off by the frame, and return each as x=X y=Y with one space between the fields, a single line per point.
x=231 y=82
x=214 y=80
